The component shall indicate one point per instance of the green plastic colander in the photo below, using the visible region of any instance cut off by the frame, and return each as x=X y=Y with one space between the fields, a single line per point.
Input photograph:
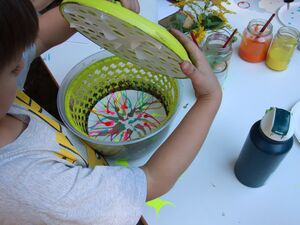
x=96 y=77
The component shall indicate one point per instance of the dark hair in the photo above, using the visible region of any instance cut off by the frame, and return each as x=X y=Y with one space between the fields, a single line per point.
x=18 y=28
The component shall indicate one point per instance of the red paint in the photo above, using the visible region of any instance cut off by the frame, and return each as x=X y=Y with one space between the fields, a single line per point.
x=124 y=106
x=109 y=123
x=125 y=136
x=108 y=111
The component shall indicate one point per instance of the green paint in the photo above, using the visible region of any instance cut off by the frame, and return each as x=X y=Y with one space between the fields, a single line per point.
x=158 y=203
x=122 y=162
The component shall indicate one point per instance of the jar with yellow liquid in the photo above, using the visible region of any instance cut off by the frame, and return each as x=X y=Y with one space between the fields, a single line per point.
x=282 y=48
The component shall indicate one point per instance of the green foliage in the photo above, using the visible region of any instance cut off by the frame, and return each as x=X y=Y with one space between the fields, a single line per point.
x=212 y=22
x=177 y=21
x=209 y=22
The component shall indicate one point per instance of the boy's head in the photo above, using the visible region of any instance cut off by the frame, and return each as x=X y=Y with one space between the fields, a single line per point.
x=19 y=28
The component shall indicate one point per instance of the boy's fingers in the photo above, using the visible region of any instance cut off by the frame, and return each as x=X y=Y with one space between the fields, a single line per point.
x=137 y=6
x=190 y=70
x=133 y=5
x=194 y=53
x=187 y=68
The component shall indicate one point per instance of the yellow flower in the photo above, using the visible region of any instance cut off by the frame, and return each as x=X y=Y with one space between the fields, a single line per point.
x=198 y=10
x=184 y=2
x=199 y=19
x=217 y=2
x=200 y=34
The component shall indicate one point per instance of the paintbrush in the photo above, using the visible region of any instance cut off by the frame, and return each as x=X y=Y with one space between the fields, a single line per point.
x=266 y=25
x=194 y=38
x=229 y=39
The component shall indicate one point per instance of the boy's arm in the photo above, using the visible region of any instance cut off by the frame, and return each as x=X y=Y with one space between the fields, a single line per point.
x=176 y=154
x=53 y=30
x=41 y=4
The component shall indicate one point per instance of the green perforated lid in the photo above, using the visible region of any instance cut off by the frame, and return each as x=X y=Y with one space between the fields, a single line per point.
x=127 y=35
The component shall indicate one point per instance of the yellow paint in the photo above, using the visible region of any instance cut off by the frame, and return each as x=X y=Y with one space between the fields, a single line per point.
x=158 y=204
x=281 y=52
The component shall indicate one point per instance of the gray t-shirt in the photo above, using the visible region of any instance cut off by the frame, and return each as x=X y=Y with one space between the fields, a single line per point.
x=45 y=179
x=48 y=176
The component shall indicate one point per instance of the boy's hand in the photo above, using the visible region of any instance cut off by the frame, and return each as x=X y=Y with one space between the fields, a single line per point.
x=133 y=5
x=203 y=79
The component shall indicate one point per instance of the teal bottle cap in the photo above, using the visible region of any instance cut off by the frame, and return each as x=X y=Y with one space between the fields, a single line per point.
x=277 y=124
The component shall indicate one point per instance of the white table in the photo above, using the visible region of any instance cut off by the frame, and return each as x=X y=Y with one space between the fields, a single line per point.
x=208 y=192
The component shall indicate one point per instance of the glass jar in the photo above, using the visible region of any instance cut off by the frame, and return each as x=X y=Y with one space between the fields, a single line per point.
x=282 y=48
x=217 y=56
x=255 y=44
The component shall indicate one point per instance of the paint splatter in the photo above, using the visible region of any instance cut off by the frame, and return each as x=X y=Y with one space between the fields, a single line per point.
x=158 y=204
x=125 y=115
x=122 y=162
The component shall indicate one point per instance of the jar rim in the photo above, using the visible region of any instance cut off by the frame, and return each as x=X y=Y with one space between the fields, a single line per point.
x=221 y=37
x=260 y=22
x=289 y=31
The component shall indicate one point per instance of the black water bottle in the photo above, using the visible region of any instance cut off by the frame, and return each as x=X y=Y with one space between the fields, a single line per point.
x=268 y=142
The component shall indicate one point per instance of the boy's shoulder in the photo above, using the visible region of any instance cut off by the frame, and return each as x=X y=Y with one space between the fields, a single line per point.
x=63 y=143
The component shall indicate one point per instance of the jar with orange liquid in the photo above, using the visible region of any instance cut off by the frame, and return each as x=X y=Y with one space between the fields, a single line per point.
x=282 y=48
x=255 y=44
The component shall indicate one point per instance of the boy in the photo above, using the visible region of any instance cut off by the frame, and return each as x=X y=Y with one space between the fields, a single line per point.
x=47 y=176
